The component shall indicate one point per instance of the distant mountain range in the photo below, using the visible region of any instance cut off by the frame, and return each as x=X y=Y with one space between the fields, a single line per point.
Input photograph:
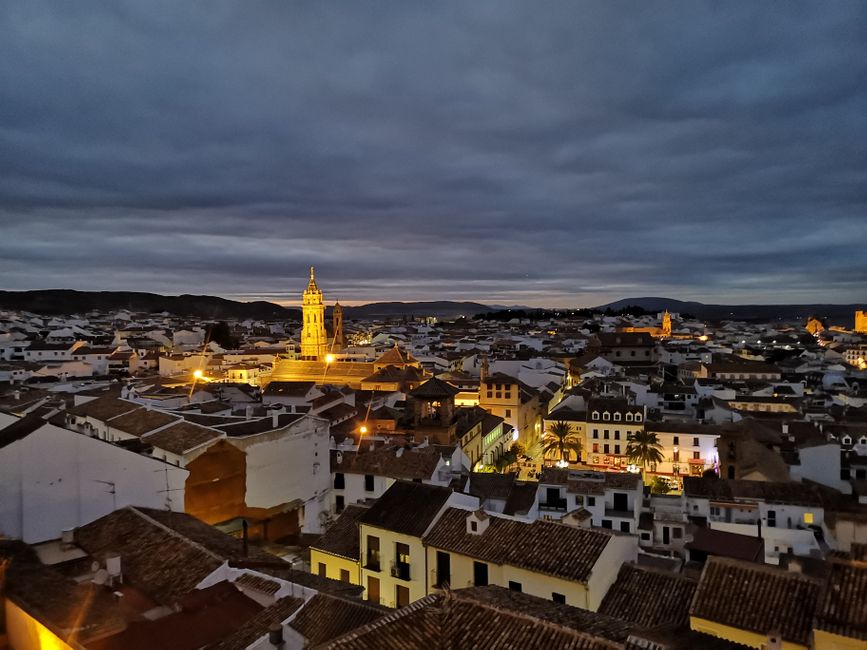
x=68 y=301
x=836 y=314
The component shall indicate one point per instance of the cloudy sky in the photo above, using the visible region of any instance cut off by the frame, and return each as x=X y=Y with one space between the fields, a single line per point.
x=559 y=154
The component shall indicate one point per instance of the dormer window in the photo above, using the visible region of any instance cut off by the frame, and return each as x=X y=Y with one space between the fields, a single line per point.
x=629 y=417
x=617 y=417
x=638 y=417
x=606 y=416
x=595 y=415
x=846 y=440
x=862 y=440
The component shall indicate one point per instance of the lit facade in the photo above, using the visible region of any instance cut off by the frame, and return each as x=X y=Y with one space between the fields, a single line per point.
x=314 y=339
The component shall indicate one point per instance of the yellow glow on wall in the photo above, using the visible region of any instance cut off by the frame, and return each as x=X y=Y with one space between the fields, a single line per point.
x=26 y=633
x=808 y=517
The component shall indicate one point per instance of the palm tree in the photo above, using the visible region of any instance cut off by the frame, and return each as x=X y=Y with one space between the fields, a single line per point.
x=644 y=448
x=560 y=441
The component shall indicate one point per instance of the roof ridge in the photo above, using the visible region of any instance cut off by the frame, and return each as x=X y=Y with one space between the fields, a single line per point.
x=175 y=533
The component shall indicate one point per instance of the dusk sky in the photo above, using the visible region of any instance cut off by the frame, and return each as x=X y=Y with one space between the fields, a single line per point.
x=556 y=154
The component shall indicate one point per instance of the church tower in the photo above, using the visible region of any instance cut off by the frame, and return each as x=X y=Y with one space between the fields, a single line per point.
x=314 y=340
x=666 y=324
x=337 y=327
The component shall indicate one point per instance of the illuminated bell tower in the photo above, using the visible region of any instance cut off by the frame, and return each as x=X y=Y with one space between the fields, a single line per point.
x=666 y=324
x=314 y=340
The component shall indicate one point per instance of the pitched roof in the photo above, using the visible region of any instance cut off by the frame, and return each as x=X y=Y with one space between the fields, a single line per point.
x=342 y=536
x=395 y=356
x=649 y=597
x=325 y=617
x=164 y=554
x=407 y=508
x=289 y=388
x=768 y=491
x=842 y=606
x=142 y=420
x=182 y=437
x=458 y=619
x=725 y=544
x=541 y=546
x=258 y=625
x=756 y=598
x=435 y=388
x=103 y=408
x=393 y=461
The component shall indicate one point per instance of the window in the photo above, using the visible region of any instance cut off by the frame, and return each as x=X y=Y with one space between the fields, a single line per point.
x=508 y=413
x=558 y=598
x=606 y=523
x=617 y=417
x=638 y=417
x=624 y=526
x=591 y=501
x=372 y=553
x=605 y=434
x=596 y=434
x=339 y=481
x=595 y=415
x=339 y=503
x=368 y=482
x=772 y=518
x=629 y=417
x=323 y=570
x=617 y=435
x=607 y=449
x=444 y=569
x=675 y=456
x=808 y=517
x=344 y=575
x=617 y=449
x=606 y=416
x=515 y=586
x=579 y=500
x=595 y=447
x=474 y=525
x=677 y=533
x=695 y=442
x=676 y=440
x=645 y=537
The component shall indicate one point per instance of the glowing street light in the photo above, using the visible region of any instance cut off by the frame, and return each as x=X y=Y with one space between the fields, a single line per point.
x=363 y=430
x=197 y=374
x=329 y=358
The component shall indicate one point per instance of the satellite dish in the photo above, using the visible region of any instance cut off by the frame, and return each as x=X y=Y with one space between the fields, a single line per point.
x=101 y=577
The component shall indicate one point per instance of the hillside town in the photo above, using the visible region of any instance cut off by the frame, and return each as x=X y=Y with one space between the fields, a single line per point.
x=582 y=479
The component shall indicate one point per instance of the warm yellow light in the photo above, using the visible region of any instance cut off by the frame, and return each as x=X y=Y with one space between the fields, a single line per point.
x=329 y=358
x=197 y=374
x=808 y=517
x=703 y=337
x=363 y=430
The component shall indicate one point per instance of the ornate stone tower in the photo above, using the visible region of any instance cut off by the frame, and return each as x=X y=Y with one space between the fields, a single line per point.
x=337 y=328
x=861 y=322
x=666 y=324
x=314 y=340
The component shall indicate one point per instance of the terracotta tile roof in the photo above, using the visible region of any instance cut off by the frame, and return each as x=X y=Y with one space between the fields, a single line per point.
x=258 y=626
x=182 y=437
x=450 y=620
x=542 y=546
x=289 y=388
x=261 y=425
x=757 y=598
x=435 y=389
x=649 y=597
x=725 y=544
x=258 y=583
x=767 y=491
x=142 y=420
x=407 y=508
x=103 y=408
x=342 y=537
x=843 y=604
x=395 y=356
x=409 y=464
x=207 y=616
x=326 y=617
x=164 y=554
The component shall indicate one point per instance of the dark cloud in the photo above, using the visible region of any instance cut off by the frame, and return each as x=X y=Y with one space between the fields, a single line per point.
x=563 y=154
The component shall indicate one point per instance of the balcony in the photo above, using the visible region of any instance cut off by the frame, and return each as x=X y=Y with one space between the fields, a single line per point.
x=400 y=570
x=619 y=514
x=557 y=505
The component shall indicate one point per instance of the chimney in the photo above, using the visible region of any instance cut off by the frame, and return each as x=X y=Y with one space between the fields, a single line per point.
x=17 y=395
x=275 y=419
x=275 y=635
x=112 y=565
